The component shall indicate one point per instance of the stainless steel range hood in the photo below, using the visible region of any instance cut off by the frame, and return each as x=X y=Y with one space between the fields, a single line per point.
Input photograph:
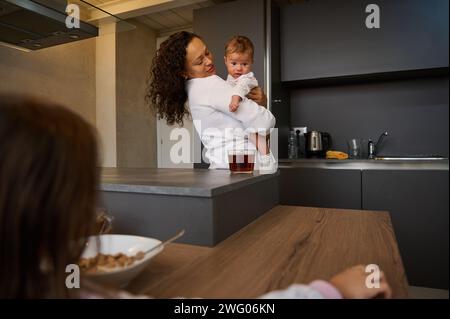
x=38 y=24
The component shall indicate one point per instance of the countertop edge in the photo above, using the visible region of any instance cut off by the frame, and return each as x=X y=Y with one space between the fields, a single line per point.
x=156 y=190
x=183 y=191
x=441 y=165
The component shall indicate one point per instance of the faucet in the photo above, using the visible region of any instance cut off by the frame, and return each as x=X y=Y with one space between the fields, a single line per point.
x=373 y=148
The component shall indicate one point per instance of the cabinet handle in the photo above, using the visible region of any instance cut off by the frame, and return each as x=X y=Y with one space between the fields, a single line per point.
x=277 y=101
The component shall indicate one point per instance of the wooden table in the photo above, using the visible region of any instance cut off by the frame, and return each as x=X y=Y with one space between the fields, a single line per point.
x=288 y=244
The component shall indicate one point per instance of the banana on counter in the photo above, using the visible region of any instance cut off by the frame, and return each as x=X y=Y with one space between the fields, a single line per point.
x=336 y=155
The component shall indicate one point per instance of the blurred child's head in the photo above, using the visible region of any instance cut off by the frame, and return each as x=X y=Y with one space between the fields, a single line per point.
x=239 y=56
x=48 y=194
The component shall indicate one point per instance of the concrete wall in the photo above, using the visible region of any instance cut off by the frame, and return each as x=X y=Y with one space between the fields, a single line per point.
x=105 y=73
x=136 y=124
x=64 y=74
x=103 y=80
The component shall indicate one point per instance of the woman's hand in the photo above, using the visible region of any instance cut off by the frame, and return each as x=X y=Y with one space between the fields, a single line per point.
x=258 y=96
x=352 y=284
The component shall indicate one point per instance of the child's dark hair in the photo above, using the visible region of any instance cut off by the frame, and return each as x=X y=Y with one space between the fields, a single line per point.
x=48 y=194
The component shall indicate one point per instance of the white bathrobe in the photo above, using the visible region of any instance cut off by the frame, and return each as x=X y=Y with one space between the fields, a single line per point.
x=219 y=129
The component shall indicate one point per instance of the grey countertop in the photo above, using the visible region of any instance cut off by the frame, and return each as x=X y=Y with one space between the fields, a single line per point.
x=441 y=164
x=181 y=182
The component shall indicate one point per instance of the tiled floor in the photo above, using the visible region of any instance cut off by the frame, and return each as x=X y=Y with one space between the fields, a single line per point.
x=427 y=293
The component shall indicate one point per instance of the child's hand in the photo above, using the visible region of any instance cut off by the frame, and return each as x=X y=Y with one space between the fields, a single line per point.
x=352 y=284
x=234 y=105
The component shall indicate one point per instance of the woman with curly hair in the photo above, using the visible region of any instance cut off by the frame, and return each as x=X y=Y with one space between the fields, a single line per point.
x=183 y=71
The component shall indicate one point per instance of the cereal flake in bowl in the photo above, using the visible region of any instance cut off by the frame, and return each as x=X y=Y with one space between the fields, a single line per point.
x=117 y=259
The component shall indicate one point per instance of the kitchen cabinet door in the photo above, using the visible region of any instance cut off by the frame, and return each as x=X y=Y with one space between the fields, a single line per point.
x=328 y=38
x=279 y=95
x=418 y=204
x=315 y=187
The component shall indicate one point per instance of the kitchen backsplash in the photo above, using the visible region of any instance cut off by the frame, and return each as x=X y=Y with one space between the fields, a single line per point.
x=415 y=112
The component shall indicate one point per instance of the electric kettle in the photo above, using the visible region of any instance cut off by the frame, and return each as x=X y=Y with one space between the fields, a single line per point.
x=317 y=144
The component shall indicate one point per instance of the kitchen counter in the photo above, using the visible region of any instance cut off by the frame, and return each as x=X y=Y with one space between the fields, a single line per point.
x=209 y=204
x=181 y=182
x=288 y=244
x=441 y=164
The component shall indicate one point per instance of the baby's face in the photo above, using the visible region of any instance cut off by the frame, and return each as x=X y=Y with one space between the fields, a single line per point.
x=238 y=64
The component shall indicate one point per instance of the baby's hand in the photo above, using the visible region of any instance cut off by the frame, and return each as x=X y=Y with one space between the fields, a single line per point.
x=234 y=105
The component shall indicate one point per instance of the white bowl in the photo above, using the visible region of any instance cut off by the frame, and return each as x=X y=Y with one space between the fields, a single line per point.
x=125 y=244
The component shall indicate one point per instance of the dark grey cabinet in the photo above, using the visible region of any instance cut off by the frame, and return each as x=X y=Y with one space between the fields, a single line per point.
x=328 y=38
x=317 y=187
x=279 y=94
x=418 y=204
x=417 y=201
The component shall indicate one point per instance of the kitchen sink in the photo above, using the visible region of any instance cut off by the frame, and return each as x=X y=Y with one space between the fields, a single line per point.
x=410 y=158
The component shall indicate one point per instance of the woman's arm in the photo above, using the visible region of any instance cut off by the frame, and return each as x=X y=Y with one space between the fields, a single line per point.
x=250 y=114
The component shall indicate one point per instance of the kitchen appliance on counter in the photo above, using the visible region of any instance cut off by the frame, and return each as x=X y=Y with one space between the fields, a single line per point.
x=317 y=144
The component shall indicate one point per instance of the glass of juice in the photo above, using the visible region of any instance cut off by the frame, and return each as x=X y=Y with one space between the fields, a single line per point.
x=241 y=161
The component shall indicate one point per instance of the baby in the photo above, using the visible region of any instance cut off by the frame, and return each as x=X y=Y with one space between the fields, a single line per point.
x=239 y=60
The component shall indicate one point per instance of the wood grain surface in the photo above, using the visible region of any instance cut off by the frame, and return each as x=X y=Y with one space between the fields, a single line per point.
x=289 y=244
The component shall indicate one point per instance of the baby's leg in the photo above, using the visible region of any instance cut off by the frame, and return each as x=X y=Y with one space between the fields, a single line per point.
x=261 y=142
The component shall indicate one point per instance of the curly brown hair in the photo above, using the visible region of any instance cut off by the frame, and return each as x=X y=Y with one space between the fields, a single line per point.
x=166 y=92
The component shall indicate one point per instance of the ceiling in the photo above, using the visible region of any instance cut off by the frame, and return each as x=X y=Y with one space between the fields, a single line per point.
x=175 y=18
x=167 y=20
